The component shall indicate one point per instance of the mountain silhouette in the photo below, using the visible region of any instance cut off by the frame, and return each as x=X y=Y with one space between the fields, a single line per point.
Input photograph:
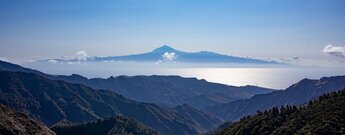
x=324 y=116
x=51 y=101
x=169 y=90
x=162 y=90
x=297 y=94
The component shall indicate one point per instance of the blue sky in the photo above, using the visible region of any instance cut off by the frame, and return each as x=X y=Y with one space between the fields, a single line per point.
x=38 y=29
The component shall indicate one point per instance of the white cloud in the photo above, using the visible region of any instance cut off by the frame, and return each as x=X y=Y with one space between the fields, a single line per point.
x=4 y=59
x=337 y=51
x=158 y=62
x=289 y=60
x=81 y=55
x=52 y=61
x=107 y=61
x=169 y=56
x=71 y=62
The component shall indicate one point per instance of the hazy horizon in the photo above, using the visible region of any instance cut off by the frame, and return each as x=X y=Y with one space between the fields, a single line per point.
x=276 y=77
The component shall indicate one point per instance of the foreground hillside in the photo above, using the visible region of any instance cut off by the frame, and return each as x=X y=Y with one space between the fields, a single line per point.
x=117 y=125
x=51 y=101
x=17 y=123
x=296 y=94
x=322 y=117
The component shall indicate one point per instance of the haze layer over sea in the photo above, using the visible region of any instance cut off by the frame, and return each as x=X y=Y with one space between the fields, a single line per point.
x=270 y=76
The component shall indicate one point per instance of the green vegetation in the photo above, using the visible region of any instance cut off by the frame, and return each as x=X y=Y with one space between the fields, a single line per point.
x=117 y=125
x=323 y=116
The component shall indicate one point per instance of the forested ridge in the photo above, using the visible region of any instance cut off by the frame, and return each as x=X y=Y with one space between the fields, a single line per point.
x=322 y=116
x=116 y=125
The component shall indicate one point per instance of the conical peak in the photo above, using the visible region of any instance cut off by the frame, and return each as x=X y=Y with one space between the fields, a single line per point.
x=164 y=48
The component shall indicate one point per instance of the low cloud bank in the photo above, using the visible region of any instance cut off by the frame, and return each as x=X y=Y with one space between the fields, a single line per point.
x=78 y=57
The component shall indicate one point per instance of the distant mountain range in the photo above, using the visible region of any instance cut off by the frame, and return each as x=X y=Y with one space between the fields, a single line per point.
x=169 y=90
x=166 y=53
x=325 y=116
x=162 y=90
x=51 y=101
x=18 y=123
x=297 y=94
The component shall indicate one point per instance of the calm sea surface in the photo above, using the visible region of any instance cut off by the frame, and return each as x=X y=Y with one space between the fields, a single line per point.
x=270 y=77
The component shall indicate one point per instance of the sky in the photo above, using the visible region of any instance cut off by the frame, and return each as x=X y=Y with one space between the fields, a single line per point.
x=39 y=29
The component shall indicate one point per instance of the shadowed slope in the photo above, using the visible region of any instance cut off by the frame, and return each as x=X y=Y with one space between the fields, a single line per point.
x=166 y=90
x=117 y=125
x=17 y=123
x=322 y=117
x=296 y=94
x=52 y=101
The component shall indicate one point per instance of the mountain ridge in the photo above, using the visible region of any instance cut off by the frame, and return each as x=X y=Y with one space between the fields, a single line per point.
x=321 y=116
x=169 y=90
x=163 y=90
x=107 y=126
x=51 y=101
x=297 y=94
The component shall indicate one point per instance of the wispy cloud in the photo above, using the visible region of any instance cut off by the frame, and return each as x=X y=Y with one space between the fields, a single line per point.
x=169 y=56
x=337 y=51
x=289 y=60
x=306 y=61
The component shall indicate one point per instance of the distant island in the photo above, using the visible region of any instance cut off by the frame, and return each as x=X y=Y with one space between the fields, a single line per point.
x=166 y=53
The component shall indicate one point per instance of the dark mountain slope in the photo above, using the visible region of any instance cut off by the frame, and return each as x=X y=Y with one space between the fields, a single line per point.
x=206 y=121
x=167 y=90
x=52 y=101
x=17 y=123
x=170 y=90
x=6 y=66
x=117 y=125
x=296 y=94
x=322 y=117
